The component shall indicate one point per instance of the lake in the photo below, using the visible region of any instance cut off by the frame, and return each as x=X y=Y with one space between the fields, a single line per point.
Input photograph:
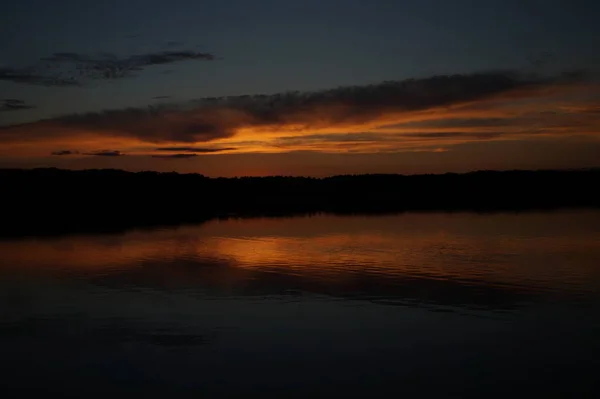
x=406 y=305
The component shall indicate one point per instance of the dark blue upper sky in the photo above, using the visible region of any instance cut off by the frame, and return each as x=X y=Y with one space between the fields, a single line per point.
x=266 y=46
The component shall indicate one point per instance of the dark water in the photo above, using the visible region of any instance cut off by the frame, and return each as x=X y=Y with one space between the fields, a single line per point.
x=389 y=306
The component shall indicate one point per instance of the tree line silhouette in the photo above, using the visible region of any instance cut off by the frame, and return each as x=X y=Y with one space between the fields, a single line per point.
x=53 y=201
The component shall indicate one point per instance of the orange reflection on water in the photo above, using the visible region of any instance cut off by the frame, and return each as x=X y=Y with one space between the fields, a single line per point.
x=551 y=250
x=80 y=253
x=510 y=248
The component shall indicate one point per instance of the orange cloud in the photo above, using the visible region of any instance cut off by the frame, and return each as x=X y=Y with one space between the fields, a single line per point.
x=411 y=115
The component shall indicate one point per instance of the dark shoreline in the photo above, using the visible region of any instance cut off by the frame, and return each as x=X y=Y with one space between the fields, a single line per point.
x=48 y=202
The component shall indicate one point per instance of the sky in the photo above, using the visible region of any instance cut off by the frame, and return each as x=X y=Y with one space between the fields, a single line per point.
x=312 y=87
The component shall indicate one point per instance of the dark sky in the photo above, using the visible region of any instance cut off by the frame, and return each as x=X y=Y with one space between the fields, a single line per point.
x=65 y=57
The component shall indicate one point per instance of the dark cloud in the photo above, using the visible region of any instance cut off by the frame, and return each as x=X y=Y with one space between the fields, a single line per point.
x=73 y=69
x=13 y=104
x=65 y=152
x=175 y=156
x=105 y=153
x=154 y=124
x=194 y=149
x=33 y=76
x=109 y=66
x=167 y=57
x=542 y=59
x=157 y=58
x=161 y=97
x=214 y=118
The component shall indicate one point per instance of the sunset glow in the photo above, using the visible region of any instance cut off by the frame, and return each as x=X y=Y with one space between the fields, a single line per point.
x=177 y=106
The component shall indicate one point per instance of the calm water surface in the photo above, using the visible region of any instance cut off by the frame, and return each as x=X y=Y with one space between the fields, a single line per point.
x=404 y=305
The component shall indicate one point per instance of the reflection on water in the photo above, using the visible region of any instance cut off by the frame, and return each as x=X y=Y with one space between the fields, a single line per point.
x=481 y=304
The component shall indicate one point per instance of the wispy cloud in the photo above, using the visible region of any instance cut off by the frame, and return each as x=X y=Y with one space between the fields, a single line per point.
x=460 y=135
x=75 y=69
x=64 y=152
x=367 y=142
x=194 y=149
x=13 y=104
x=35 y=76
x=105 y=153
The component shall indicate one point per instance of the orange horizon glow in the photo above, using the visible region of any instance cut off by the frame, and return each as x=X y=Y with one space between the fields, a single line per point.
x=554 y=115
x=573 y=119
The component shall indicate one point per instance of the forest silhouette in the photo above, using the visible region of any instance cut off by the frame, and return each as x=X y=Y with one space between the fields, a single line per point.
x=49 y=201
